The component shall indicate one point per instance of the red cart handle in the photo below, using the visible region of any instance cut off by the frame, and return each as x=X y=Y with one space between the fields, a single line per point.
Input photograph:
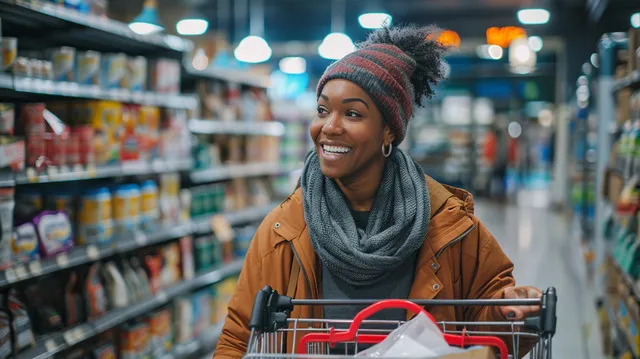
x=341 y=336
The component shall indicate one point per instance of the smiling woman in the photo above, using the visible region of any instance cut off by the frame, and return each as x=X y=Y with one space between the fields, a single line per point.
x=365 y=221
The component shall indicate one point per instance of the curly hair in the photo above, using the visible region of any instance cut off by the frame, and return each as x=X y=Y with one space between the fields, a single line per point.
x=420 y=43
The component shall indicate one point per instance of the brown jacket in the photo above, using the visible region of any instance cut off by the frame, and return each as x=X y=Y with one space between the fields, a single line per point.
x=459 y=259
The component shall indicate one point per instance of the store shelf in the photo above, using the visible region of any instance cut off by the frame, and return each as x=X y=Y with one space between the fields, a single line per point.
x=67 y=26
x=52 y=344
x=236 y=76
x=203 y=223
x=630 y=81
x=17 y=87
x=7 y=179
x=225 y=172
x=133 y=168
x=205 y=344
x=620 y=334
x=213 y=127
x=628 y=281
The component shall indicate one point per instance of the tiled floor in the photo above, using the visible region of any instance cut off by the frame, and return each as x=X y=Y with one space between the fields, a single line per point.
x=545 y=253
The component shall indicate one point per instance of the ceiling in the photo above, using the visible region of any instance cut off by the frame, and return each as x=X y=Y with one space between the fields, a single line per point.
x=310 y=20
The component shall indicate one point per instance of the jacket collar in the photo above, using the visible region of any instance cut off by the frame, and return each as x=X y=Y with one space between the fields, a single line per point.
x=450 y=209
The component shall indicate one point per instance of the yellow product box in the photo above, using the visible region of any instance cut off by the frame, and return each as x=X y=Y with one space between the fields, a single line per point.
x=106 y=120
x=148 y=131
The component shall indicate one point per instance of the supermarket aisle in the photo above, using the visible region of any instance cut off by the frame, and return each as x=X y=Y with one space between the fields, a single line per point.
x=540 y=244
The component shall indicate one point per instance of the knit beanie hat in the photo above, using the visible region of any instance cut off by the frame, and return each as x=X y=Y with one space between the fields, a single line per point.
x=397 y=67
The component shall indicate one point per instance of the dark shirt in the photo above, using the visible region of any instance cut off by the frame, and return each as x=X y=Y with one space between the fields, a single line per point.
x=396 y=285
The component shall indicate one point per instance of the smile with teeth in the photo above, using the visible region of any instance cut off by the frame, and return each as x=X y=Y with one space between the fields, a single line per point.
x=335 y=149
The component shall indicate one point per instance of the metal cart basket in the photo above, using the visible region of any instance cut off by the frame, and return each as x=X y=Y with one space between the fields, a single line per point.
x=272 y=329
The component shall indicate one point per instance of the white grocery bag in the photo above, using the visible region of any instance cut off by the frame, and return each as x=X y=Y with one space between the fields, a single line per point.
x=418 y=338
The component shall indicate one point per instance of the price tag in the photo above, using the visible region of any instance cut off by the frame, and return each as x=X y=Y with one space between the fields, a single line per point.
x=21 y=272
x=162 y=296
x=62 y=259
x=69 y=337
x=50 y=345
x=10 y=274
x=222 y=228
x=141 y=238
x=35 y=268
x=92 y=252
x=78 y=334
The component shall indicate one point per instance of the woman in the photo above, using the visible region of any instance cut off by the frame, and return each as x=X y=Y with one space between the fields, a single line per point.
x=367 y=222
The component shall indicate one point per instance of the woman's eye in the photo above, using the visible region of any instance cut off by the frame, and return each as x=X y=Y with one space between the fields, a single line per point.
x=322 y=111
x=353 y=114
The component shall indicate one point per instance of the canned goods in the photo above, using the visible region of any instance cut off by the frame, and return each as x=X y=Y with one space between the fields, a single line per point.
x=56 y=148
x=84 y=136
x=63 y=60
x=96 y=224
x=72 y=152
x=126 y=208
x=88 y=72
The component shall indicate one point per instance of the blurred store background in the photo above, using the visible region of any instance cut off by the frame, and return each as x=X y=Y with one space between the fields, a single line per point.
x=153 y=136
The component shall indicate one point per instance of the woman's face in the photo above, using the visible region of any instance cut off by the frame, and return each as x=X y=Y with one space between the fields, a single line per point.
x=348 y=130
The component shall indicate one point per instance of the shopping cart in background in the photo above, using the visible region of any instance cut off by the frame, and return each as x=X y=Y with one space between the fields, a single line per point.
x=271 y=327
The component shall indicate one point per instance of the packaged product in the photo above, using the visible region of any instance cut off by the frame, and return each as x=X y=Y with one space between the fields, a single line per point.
x=131 y=280
x=45 y=318
x=56 y=147
x=88 y=69
x=63 y=201
x=96 y=224
x=171 y=264
x=153 y=263
x=54 y=232
x=148 y=131
x=144 y=288
x=187 y=262
x=95 y=296
x=32 y=118
x=149 y=206
x=63 y=60
x=9 y=52
x=161 y=325
x=176 y=137
x=7 y=204
x=114 y=70
x=136 y=79
x=24 y=245
x=213 y=304
x=23 y=337
x=169 y=198
x=74 y=303
x=203 y=247
x=5 y=331
x=72 y=150
x=126 y=209
x=130 y=146
x=7 y=119
x=185 y=204
x=243 y=240
x=224 y=292
x=165 y=76
x=184 y=320
x=106 y=120
x=104 y=351
x=135 y=341
x=12 y=153
x=116 y=287
x=201 y=312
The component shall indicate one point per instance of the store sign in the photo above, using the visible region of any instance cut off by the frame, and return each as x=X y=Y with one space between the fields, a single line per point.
x=503 y=36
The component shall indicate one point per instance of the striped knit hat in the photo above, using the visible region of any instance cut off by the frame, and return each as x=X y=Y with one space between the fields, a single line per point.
x=387 y=72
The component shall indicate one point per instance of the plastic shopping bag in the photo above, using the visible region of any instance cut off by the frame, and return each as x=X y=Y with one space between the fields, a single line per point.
x=418 y=338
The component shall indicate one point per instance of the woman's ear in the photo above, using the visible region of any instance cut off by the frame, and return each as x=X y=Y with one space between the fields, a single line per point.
x=389 y=137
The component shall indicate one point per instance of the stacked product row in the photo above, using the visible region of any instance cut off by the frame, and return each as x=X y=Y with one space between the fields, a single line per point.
x=70 y=133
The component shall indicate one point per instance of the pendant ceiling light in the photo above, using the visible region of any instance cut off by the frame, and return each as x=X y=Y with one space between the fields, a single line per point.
x=193 y=24
x=337 y=44
x=254 y=48
x=147 y=22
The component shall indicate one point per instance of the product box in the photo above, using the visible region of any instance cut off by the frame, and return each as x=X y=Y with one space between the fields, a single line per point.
x=160 y=324
x=12 y=153
x=131 y=145
x=106 y=120
x=165 y=76
x=148 y=131
x=135 y=341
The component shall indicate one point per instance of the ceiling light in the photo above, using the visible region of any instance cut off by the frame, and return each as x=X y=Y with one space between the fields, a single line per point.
x=293 y=65
x=536 y=43
x=522 y=59
x=192 y=26
x=495 y=52
x=253 y=49
x=635 y=20
x=374 y=20
x=514 y=129
x=533 y=16
x=147 y=22
x=594 y=60
x=335 y=46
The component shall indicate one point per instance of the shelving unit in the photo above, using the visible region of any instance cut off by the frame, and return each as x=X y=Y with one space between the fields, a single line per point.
x=213 y=127
x=227 y=75
x=55 y=343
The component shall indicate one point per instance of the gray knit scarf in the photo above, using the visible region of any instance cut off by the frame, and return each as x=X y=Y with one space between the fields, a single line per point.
x=397 y=224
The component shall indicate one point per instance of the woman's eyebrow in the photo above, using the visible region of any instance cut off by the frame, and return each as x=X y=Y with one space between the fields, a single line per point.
x=355 y=99
x=325 y=97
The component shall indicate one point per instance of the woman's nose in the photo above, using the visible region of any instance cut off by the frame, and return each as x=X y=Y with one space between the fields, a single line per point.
x=333 y=126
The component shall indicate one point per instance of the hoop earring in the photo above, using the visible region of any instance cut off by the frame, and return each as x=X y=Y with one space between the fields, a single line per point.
x=387 y=153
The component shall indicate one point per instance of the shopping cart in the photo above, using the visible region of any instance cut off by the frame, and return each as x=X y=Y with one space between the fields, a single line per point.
x=272 y=329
